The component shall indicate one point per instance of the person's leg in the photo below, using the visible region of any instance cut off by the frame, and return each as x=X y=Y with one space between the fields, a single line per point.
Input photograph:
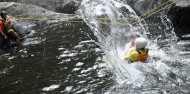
x=15 y=36
x=3 y=42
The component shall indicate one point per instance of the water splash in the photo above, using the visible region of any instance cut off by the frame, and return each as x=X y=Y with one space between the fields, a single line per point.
x=115 y=24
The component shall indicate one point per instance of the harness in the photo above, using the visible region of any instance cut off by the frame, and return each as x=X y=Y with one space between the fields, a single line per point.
x=143 y=57
x=6 y=25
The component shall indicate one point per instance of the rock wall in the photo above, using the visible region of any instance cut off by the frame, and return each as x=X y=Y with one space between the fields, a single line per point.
x=33 y=11
x=180 y=17
x=143 y=6
x=179 y=13
x=70 y=6
x=62 y=6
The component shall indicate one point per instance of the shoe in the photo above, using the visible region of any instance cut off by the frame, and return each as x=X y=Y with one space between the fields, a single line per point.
x=21 y=39
x=18 y=42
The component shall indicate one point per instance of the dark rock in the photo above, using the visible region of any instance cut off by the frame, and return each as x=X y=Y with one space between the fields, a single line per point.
x=68 y=8
x=30 y=11
x=179 y=14
x=141 y=7
x=62 y=6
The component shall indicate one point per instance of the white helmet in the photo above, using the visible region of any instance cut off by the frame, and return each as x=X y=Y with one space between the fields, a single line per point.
x=141 y=42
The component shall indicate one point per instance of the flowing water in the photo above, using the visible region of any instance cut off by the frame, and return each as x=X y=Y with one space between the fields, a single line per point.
x=75 y=58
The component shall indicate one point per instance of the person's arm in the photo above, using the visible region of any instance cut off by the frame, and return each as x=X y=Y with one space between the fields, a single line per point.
x=9 y=20
x=1 y=30
x=127 y=57
x=133 y=42
x=133 y=46
x=134 y=35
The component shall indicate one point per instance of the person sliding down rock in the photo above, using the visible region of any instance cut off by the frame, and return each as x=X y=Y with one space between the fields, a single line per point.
x=139 y=52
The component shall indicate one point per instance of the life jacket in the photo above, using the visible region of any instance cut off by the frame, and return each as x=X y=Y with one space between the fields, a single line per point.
x=143 y=55
x=7 y=25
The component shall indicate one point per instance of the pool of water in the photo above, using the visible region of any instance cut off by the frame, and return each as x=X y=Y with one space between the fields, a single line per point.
x=56 y=60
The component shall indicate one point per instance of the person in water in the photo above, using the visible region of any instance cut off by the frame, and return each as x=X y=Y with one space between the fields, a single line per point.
x=7 y=29
x=139 y=51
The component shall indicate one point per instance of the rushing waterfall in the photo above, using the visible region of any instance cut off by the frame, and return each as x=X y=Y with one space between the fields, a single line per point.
x=115 y=24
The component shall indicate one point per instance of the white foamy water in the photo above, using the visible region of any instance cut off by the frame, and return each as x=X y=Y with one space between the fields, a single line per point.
x=50 y=88
x=113 y=38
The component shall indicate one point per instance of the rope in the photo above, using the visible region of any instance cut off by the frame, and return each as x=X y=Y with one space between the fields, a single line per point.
x=161 y=9
x=143 y=18
x=155 y=8
x=156 y=11
x=10 y=45
x=74 y=19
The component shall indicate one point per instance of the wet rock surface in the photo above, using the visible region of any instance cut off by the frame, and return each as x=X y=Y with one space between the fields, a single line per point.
x=179 y=14
x=24 y=10
x=63 y=6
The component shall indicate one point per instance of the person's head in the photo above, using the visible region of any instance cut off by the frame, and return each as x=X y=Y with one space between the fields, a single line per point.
x=141 y=42
x=3 y=14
